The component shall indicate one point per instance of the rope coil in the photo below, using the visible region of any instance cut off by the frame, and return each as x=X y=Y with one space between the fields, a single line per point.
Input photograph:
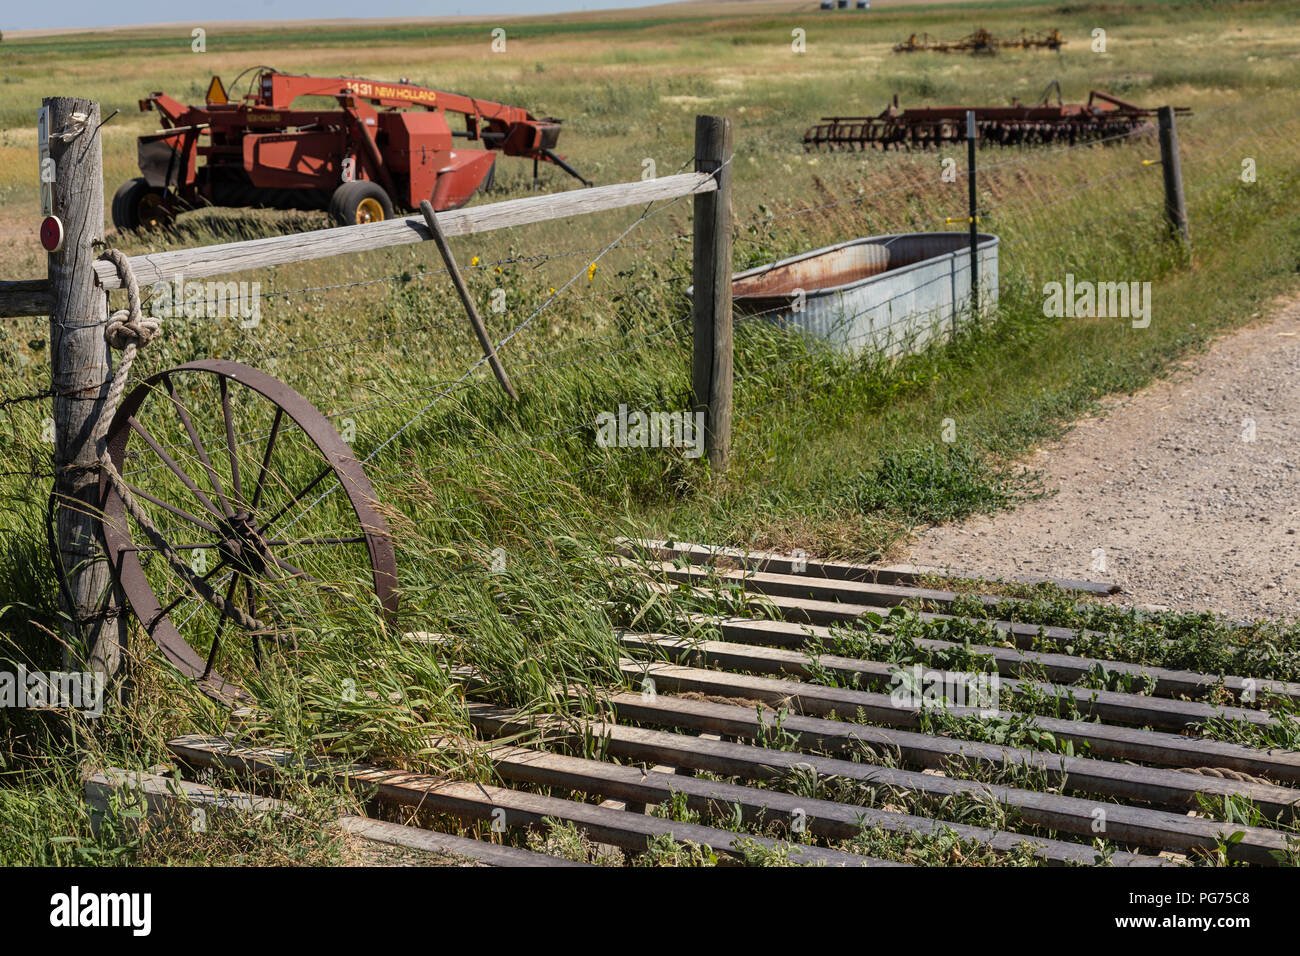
x=127 y=326
x=128 y=331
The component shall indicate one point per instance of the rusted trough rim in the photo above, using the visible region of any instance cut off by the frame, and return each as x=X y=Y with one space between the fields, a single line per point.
x=747 y=300
x=986 y=241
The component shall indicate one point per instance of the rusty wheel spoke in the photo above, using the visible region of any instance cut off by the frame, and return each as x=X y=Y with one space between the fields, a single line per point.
x=317 y=542
x=179 y=512
x=231 y=447
x=298 y=496
x=163 y=612
x=266 y=459
x=175 y=469
x=221 y=627
x=199 y=449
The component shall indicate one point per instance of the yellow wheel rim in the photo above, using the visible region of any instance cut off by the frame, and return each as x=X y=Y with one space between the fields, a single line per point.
x=369 y=210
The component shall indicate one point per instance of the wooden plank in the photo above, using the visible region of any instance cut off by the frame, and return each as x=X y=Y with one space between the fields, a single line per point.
x=1117 y=743
x=323 y=243
x=1063 y=668
x=808 y=611
x=466 y=300
x=915 y=573
x=901 y=574
x=25 y=297
x=473 y=801
x=171 y=801
x=432 y=841
x=1125 y=781
x=167 y=801
x=1052 y=810
x=824 y=818
x=849 y=593
x=820 y=615
x=1135 y=709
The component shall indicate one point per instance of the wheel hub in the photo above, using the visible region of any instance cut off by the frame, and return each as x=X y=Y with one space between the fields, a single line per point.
x=369 y=210
x=243 y=547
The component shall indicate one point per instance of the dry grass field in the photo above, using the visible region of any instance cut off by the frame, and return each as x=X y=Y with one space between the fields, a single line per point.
x=840 y=457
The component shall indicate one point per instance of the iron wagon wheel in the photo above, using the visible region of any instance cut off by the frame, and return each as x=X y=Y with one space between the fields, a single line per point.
x=252 y=486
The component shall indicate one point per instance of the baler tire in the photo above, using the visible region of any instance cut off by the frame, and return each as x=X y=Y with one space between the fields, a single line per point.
x=127 y=203
x=346 y=203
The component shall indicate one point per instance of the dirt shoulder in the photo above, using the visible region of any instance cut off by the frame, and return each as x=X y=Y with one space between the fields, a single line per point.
x=1190 y=487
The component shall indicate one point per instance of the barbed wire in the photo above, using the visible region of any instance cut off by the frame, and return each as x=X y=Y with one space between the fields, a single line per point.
x=453 y=385
x=13 y=400
x=536 y=358
x=542 y=361
x=650 y=210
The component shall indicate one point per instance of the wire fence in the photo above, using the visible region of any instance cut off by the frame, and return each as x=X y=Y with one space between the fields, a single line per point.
x=644 y=316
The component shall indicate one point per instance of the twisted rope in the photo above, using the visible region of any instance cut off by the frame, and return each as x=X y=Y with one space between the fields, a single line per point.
x=128 y=331
x=1225 y=773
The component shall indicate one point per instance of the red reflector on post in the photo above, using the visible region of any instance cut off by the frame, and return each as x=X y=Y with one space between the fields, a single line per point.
x=52 y=234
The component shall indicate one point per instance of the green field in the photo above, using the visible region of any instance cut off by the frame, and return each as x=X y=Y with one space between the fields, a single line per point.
x=839 y=457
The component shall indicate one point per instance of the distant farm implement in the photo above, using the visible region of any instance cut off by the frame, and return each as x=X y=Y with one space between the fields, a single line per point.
x=981 y=41
x=1102 y=118
x=380 y=148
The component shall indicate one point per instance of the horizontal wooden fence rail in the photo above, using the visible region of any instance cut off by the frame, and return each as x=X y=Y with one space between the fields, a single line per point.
x=25 y=297
x=323 y=243
x=75 y=292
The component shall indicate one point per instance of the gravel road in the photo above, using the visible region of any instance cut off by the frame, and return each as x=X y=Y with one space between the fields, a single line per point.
x=1188 y=490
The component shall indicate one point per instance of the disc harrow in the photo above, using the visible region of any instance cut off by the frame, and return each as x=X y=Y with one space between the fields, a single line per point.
x=1102 y=118
x=982 y=42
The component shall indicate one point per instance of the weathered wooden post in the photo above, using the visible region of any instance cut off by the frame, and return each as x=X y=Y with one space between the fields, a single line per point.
x=711 y=303
x=1175 y=206
x=974 y=220
x=80 y=370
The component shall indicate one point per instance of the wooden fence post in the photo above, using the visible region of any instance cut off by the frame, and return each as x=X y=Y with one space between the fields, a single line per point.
x=1175 y=206
x=711 y=303
x=974 y=222
x=80 y=370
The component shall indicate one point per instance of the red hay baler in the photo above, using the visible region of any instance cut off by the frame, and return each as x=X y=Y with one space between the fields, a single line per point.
x=386 y=147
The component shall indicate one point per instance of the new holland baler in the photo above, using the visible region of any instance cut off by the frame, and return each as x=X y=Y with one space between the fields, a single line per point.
x=376 y=149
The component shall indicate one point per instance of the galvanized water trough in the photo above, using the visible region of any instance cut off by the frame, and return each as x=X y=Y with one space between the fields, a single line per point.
x=888 y=294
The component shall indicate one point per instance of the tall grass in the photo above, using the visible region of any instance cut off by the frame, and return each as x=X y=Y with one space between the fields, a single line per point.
x=839 y=455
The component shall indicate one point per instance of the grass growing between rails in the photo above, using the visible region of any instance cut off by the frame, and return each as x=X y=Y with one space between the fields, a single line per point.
x=502 y=512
